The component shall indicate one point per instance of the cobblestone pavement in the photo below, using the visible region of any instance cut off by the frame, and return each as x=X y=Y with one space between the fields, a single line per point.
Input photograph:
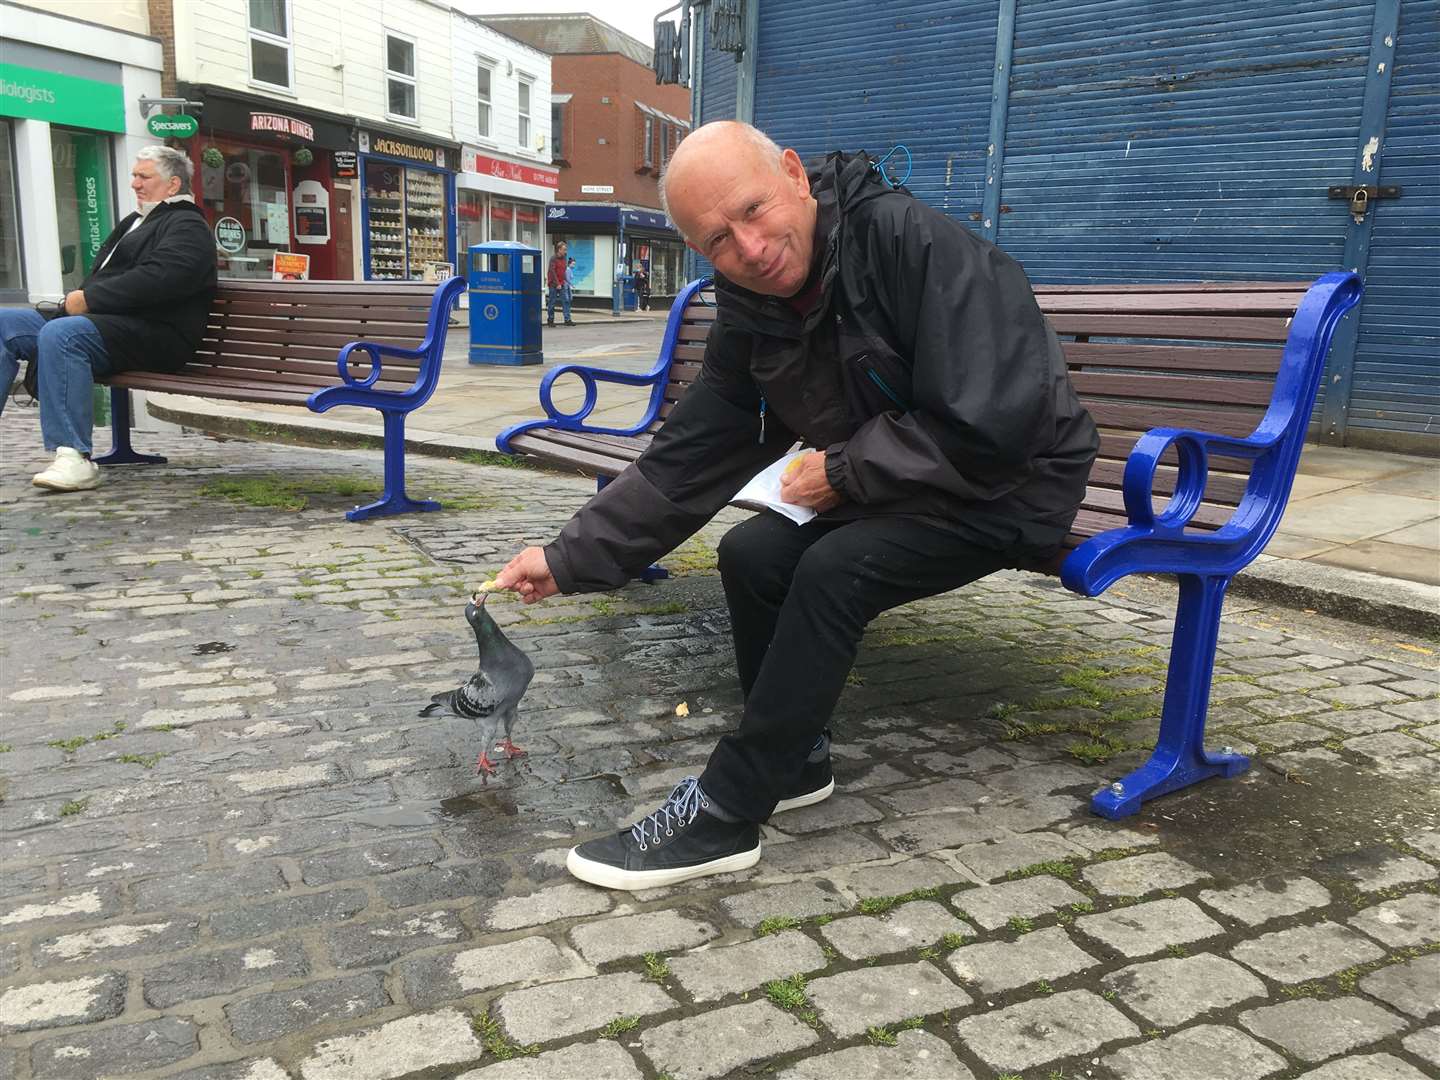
x=233 y=851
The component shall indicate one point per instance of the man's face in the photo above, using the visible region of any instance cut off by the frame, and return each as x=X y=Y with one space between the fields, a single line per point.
x=755 y=222
x=150 y=184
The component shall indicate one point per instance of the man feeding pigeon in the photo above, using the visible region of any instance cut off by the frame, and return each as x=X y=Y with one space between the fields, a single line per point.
x=950 y=444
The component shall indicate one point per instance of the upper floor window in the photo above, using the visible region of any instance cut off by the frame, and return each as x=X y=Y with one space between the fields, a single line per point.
x=557 y=130
x=484 y=80
x=523 y=108
x=270 y=42
x=400 y=76
x=649 y=158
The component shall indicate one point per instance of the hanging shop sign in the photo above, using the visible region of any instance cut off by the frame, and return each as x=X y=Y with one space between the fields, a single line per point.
x=33 y=94
x=345 y=165
x=230 y=235
x=176 y=126
x=287 y=126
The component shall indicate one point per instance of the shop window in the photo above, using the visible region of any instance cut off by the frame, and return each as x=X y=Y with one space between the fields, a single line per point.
x=251 y=189
x=526 y=143
x=12 y=277
x=557 y=131
x=484 y=78
x=270 y=42
x=83 y=199
x=502 y=220
x=400 y=76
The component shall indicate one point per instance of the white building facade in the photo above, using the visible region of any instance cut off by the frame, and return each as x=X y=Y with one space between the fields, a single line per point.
x=502 y=120
x=70 y=124
x=351 y=133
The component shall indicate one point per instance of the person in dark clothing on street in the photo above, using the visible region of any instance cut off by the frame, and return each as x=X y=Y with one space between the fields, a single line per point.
x=948 y=444
x=144 y=306
x=642 y=287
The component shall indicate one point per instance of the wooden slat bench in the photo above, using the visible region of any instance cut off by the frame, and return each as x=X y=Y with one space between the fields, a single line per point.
x=316 y=344
x=1202 y=393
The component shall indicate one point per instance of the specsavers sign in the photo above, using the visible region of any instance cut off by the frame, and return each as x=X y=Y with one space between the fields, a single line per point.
x=61 y=99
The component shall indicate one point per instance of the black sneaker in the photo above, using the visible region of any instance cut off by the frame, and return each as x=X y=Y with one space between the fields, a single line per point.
x=817 y=782
x=680 y=841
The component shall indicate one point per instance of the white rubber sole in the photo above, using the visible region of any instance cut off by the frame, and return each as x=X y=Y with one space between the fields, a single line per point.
x=40 y=480
x=613 y=877
x=808 y=799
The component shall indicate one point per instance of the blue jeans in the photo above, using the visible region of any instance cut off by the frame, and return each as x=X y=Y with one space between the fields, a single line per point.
x=71 y=353
x=563 y=295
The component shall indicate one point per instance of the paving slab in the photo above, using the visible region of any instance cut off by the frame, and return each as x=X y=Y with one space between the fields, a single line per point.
x=603 y=1060
x=1306 y=952
x=1254 y=903
x=916 y=1055
x=1315 y=1030
x=710 y=974
x=1207 y=1052
x=850 y=1003
x=1168 y=993
x=555 y=1010
x=717 y=1042
x=1002 y=965
x=1044 y=1030
x=907 y=926
x=1141 y=929
x=1409 y=987
x=1410 y=920
x=1367 y=1067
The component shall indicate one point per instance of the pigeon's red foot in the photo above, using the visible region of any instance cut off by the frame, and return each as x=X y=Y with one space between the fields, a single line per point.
x=511 y=750
x=484 y=767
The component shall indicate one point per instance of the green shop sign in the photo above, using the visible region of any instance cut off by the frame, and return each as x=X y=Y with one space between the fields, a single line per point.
x=61 y=99
x=178 y=126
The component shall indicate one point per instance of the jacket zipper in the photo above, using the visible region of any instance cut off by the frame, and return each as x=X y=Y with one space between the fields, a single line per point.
x=878 y=381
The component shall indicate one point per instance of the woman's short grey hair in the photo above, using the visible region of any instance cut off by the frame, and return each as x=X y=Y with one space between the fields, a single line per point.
x=769 y=151
x=170 y=163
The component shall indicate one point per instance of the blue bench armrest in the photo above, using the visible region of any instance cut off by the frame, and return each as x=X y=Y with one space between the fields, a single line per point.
x=656 y=378
x=1160 y=543
x=430 y=352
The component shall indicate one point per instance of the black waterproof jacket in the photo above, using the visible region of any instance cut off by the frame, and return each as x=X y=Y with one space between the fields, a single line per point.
x=151 y=300
x=926 y=372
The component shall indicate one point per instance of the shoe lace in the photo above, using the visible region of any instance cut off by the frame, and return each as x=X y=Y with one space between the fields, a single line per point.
x=678 y=810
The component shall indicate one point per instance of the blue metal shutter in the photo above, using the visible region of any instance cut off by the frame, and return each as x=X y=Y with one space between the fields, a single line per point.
x=1396 y=384
x=1182 y=141
x=714 y=99
x=862 y=76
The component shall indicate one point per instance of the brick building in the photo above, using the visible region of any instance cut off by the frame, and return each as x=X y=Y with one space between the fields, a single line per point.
x=612 y=130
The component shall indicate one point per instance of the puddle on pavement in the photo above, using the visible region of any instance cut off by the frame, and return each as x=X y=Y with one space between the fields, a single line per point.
x=210 y=648
x=398 y=817
x=491 y=802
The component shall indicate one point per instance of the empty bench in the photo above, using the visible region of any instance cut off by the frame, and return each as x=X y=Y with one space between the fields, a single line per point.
x=1202 y=393
x=276 y=343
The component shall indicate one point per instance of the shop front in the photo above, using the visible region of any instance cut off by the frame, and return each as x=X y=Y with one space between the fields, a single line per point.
x=266 y=178
x=408 y=212
x=499 y=199
x=62 y=127
x=607 y=241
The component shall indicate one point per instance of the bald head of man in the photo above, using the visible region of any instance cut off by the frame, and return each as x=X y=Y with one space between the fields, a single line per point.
x=745 y=204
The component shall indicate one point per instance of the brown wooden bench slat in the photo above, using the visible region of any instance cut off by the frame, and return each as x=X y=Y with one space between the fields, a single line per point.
x=1221 y=488
x=541 y=443
x=1201 y=389
x=176 y=383
x=1226 y=304
x=1172 y=360
x=1180 y=327
x=333 y=315
x=1174 y=287
x=1222 y=420
x=334 y=340
x=282 y=353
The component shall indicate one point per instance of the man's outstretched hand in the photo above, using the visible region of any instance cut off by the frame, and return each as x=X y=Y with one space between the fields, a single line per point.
x=529 y=575
x=804 y=483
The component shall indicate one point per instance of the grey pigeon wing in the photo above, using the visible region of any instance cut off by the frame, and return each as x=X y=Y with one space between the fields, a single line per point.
x=478 y=697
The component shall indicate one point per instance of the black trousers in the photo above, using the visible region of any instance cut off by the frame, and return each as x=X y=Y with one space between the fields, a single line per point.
x=800 y=598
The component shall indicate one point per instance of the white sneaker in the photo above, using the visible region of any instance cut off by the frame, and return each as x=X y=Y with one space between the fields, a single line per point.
x=71 y=471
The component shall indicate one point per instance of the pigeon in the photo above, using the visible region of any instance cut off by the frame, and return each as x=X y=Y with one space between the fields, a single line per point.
x=491 y=695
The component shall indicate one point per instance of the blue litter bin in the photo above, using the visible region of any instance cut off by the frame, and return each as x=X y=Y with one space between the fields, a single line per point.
x=504 y=285
x=622 y=294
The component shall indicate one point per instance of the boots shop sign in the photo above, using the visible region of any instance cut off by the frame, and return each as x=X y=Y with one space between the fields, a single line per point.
x=275 y=124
